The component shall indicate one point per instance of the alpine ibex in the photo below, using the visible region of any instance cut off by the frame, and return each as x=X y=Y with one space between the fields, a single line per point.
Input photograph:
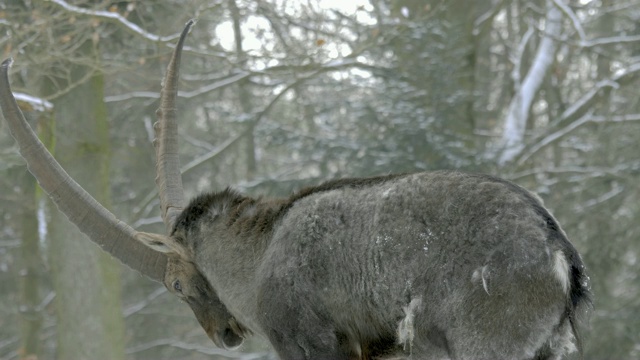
x=435 y=265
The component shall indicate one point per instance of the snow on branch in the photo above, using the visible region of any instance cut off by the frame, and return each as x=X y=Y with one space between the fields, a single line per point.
x=38 y=103
x=114 y=16
x=518 y=113
x=610 y=40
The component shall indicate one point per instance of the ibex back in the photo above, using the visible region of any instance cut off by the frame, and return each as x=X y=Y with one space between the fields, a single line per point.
x=435 y=265
x=439 y=265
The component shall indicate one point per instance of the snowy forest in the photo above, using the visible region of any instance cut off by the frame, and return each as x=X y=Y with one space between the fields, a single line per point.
x=281 y=94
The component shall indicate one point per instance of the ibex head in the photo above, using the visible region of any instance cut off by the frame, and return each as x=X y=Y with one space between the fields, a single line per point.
x=184 y=280
x=137 y=250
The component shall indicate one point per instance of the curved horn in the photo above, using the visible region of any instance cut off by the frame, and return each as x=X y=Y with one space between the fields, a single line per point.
x=169 y=177
x=94 y=220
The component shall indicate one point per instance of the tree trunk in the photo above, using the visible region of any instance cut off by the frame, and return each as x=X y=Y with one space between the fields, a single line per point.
x=31 y=268
x=86 y=279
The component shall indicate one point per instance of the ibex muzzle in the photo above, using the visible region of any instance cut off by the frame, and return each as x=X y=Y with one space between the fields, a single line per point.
x=438 y=265
x=184 y=280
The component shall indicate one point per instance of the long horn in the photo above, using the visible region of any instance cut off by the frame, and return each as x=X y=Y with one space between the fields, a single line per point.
x=94 y=220
x=169 y=178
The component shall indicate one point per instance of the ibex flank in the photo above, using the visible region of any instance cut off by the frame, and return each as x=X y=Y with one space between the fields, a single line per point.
x=433 y=265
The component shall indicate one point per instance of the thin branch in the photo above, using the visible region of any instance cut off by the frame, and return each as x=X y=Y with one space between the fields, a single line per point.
x=616 y=189
x=197 y=143
x=587 y=118
x=584 y=103
x=135 y=29
x=593 y=171
x=10 y=243
x=610 y=41
x=46 y=301
x=331 y=66
x=581 y=112
x=148 y=220
x=574 y=19
x=517 y=62
x=487 y=17
x=133 y=95
x=73 y=84
x=144 y=303
x=616 y=118
x=183 y=94
x=9 y=341
x=555 y=136
x=214 y=86
x=208 y=350
x=39 y=104
x=212 y=153
x=220 y=149
x=116 y=17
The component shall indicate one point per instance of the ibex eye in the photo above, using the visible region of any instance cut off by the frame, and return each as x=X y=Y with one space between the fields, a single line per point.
x=177 y=286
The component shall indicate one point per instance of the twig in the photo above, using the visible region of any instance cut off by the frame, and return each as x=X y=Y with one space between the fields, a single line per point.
x=144 y=303
x=114 y=16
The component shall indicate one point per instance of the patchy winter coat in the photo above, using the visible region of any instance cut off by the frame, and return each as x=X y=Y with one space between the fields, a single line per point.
x=434 y=265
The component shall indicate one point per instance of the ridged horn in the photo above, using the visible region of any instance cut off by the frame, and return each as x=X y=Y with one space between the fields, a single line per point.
x=169 y=177
x=94 y=220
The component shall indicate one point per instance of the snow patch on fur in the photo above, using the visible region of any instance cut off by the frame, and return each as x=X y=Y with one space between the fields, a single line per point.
x=561 y=269
x=406 y=326
x=482 y=273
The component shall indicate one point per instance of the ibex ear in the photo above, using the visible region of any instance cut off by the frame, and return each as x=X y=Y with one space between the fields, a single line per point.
x=162 y=243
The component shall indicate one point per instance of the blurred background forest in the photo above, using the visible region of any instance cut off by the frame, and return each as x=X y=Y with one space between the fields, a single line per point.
x=280 y=94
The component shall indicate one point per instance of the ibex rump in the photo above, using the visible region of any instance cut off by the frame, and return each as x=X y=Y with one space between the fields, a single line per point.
x=429 y=265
